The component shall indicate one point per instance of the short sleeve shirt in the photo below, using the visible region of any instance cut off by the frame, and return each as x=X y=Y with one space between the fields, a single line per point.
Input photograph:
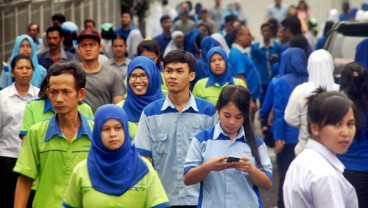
x=147 y=193
x=47 y=156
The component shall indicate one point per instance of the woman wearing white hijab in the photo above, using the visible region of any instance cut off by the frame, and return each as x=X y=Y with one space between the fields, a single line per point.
x=176 y=42
x=320 y=70
x=221 y=40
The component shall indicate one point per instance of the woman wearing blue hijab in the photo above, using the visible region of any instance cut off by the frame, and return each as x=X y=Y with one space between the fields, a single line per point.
x=24 y=45
x=144 y=87
x=219 y=76
x=114 y=174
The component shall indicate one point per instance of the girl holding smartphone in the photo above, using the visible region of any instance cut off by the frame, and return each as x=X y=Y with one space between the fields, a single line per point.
x=225 y=180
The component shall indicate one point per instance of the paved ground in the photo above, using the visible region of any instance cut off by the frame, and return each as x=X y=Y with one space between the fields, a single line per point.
x=270 y=197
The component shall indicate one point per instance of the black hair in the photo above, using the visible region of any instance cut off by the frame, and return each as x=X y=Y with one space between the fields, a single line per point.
x=180 y=56
x=199 y=38
x=206 y=26
x=305 y=4
x=230 y=18
x=58 y=17
x=55 y=28
x=328 y=26
x=127 y=12
x=354 y=83
x=345 y=6
x=299 y=41
x=68 y=67
x=274 y=26
x=165 y=17
x=149 y=45
x=327 y=108
x=89 y=20
x=266 y=25
x=32 y=23
x=241 y=96
x=18 y=57
x=293 y=23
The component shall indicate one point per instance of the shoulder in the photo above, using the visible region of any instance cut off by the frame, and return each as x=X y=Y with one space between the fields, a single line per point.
x=201 y=83
x=205 y=107
x=205 y=135
x=154 y=108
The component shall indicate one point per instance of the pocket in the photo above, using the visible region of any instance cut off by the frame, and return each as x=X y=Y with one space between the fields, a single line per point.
x=160 y=144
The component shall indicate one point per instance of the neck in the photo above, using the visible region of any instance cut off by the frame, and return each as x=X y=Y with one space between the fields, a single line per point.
x=55 y=52
x=119 y=59
x=91 y=66
x=69 y=123
x=266 y=41
x=167 y=33
x=179 y=99
x=22 y=89
x=127 y=27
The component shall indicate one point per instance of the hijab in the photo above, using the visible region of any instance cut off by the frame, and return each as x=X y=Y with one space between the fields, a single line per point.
x=172 y=45
x=225 y=77
x=134 y=104
x=39 y=72
x=221 y=40
x=113 y=172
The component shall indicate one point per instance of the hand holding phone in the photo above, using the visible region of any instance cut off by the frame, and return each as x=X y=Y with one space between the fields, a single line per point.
x=232 y=159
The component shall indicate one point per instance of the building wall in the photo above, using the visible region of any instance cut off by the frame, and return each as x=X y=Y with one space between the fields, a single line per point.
x=17 y=14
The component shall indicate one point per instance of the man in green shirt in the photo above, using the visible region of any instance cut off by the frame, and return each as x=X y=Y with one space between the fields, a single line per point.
x=55 y=146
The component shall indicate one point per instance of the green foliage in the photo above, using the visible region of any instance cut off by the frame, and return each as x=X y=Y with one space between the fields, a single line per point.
x=139 y=7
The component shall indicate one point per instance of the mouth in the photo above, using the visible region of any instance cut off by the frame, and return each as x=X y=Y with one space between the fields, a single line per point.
x=344 y=143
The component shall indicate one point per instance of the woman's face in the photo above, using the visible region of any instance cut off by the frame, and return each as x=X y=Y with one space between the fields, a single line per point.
x=151 y=55
x=23 y=72
x=112 y=134
x=25 y=48
x=337 y=138
x=217 y=64
x=138 y=81
x=119 y=47
x=179 y=41
x=231 y=119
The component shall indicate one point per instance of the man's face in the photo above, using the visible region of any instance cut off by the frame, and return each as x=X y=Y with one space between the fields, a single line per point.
x=89 y=49
x=89 y=25
x=244 y=38
x=63 y=94
x=54 y=40
x=266 y=32
x=33 y=31
x=166 y=24
x=119 y=47
x=177 y=77
x=126 y=20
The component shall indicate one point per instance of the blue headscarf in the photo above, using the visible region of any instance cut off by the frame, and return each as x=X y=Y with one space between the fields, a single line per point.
x=134 y=104
x=295 y=67
x=224 y=78
x=207 y=43
x=113 y=172
x=39 y=72
x=361 y=52
x=190 y=40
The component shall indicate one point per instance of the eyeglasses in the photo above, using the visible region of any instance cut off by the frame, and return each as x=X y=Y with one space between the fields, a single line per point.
x=142 y=77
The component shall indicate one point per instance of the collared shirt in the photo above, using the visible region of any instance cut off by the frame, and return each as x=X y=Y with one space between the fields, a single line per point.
x=227 y=188
x=47 y=155
x=45 y=58
x=40 y=109
x=162 y=41
x=164 y=134
x=278 y=13
x=12 y=107
x=121 y=68
x=315 y=179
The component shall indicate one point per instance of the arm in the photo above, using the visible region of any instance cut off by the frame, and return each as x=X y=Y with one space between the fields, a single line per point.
x=118 y=88
x=117 y=99
x=142 y=138
x=293 y=111
x=22 y=191
x=197 y=174
x=279 y=122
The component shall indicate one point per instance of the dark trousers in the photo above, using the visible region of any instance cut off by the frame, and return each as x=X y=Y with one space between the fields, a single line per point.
x=8 y=181
x=360 y=182
x=284 y=158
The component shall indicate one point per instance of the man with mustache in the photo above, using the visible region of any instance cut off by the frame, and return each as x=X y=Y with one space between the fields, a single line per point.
x=55 y=52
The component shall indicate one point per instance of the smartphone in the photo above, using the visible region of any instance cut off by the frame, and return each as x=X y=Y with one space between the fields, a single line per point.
x=232 y=159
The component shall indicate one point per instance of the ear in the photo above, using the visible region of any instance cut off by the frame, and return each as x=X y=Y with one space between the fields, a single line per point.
x=82 y=92
x=192 y=76
x=47 y=91
x=314 y=129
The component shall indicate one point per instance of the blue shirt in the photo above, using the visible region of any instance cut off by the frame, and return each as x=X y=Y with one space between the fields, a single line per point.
x=164 y=134
x=261 y=56
x=125 y=33
x=243 y=65
x=45 y=58
x=227 y=188
x=162 y=41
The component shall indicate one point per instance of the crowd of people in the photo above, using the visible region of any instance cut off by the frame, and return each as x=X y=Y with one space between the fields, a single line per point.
x=109 y=118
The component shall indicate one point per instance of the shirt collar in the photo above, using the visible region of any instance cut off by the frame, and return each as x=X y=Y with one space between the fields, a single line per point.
x=48 y=106
x=62 y=55
x=13 y=91
x=330 y=157
x=190 y=104
x=54 y=129
x=219 y=132
x=125 y=63
x=262 y=45
x=239 y=47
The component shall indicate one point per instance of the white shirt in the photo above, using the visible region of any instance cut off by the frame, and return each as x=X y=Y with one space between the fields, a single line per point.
x=314 y=179
x=12 y=107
